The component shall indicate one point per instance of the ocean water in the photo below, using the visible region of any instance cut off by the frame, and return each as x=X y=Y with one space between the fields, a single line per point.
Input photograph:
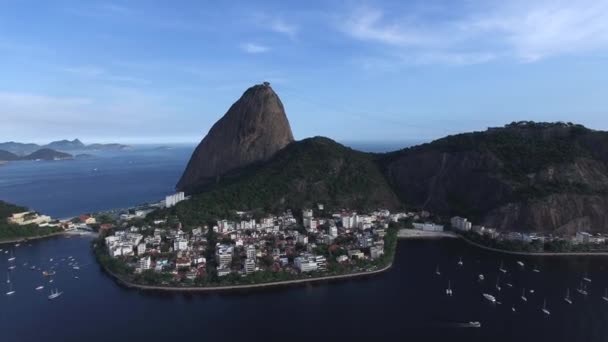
x=109 y=180
x=406 y=303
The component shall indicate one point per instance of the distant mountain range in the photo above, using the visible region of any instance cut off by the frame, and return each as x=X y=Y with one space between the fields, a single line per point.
x=23 y=149
x=41 y=154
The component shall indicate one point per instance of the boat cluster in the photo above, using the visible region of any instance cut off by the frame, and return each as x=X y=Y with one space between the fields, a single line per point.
x=47 y=274
x=582 y=289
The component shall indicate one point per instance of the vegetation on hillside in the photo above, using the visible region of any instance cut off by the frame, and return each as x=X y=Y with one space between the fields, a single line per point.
x=12 y=231
x=315 y=170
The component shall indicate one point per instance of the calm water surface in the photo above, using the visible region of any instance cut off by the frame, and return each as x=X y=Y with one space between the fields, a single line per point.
x=408 y=302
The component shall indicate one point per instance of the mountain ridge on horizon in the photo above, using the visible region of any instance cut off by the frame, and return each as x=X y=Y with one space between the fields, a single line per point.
x=22 y=149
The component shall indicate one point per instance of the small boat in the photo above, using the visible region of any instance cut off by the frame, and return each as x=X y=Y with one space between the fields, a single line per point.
x=76 y=267
x=586 y=278
x=509 y=284
x=12 y=257
x=12 y=267
x=582 y=289
x=10 y=291
x=513 y=308
x=498 y=283
x=51 y=260
x=489 y=297
x=523 y=295
x=437 y=272
x=55 y=294
x=460 y=263
x=48 y=273
x=76 y=277
x=567 y=298
x=8 y=278
x=531 y=291
x=39 y=288
x=520 y=263
x=448 y=291
x=605 y=296
x=544 y=309
x=33 y=268
x=535 y=270
x=501 y=268
x=474 y=324
x=17 y=244
x=481 y=277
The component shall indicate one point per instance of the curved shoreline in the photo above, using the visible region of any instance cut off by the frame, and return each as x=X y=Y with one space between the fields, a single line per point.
x=129 y=284
x=24 y=239
x=540 y=254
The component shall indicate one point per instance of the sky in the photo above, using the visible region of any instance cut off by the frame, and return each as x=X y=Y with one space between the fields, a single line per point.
x=164 y=71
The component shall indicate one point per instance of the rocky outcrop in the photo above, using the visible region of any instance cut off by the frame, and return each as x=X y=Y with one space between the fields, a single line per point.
x=524 y=176
x=253 y=130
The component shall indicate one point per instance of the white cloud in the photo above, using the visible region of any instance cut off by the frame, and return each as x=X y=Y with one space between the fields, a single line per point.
x=254 y=48
x=526 y=31
x=280 y=26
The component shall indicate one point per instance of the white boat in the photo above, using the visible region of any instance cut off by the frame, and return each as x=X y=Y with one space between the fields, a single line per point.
x=520 y=263
x=531 y=291
x=582 y=289
x=523 y=295
x=448 y=291
x=12 y=267
x=498 y=283
x=76 y=267
x=567 y=298
x=481 y=277
x=509 y=284
x=437 y=272
x=8 y=278
x=544 y=309
x=535 y=270
x=513 y=308
x=489 y=297
x=17 y=244
x=460 y=263
x=12 y=257
x=501 y=268
x=39 y=288
x=55 y=294
x=10 y=291
x=586 y=278
x=605 y=296
x=475 y=324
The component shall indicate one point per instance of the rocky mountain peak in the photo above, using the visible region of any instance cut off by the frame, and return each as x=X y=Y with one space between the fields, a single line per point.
x=252 y=130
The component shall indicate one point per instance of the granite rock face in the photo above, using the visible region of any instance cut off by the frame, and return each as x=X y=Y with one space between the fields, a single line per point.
x=253 y=130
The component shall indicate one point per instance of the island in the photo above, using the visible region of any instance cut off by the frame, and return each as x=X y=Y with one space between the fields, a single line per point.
x=18 y=223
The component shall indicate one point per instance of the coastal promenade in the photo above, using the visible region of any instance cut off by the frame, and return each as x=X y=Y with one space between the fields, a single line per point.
x=129 y=284
x=420 y=234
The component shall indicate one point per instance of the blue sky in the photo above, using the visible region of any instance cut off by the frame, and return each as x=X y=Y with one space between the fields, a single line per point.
x=165 y=71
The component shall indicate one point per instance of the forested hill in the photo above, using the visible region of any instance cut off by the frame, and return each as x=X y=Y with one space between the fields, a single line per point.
x=524 y=176
x=306 y=172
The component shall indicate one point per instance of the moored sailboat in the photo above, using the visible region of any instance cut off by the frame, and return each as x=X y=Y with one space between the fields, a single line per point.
x=567 y=298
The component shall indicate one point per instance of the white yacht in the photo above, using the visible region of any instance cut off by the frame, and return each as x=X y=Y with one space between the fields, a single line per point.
x=586 y=278
x=8 y=278
x=489 y=297
x=567 y=298
x=448 y=291
x=481 y=277
x=10 y=291
x=12 y=257
x=460 y=263
x=475 y=324
x=523 y=295
x=498 y=283
x=544 y=309
x=582 y=289
x=520 y=263
x=535 y=270
x=501 y=268
x=39 y=288
x=55 y=294
x=605 y=296
x=437 y=272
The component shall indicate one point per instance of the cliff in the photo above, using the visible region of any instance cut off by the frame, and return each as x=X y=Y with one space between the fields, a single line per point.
x=550 y=177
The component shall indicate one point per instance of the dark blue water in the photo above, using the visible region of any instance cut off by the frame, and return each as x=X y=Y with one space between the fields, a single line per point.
x=109 y=180
x=408 y=302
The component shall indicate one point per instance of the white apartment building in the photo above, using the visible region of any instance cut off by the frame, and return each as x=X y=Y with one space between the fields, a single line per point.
x=172 y=200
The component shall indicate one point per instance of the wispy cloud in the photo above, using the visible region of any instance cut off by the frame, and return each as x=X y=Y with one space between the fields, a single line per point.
x=525 y=31
x=254 y=48
x=100 y=74
x=279 y=25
